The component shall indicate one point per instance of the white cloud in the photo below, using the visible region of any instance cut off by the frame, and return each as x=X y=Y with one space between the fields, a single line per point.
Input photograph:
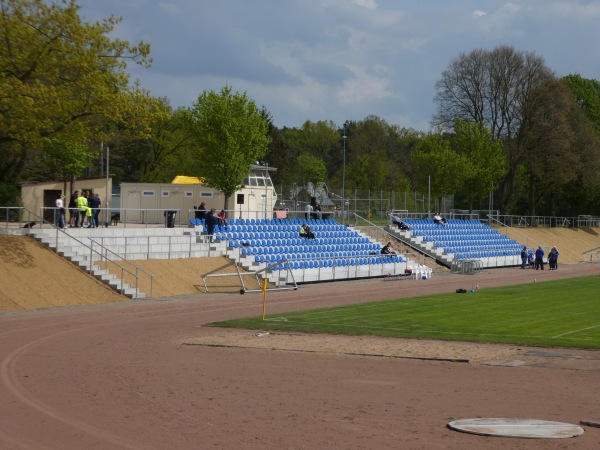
x=338 y=59
x=369 y=4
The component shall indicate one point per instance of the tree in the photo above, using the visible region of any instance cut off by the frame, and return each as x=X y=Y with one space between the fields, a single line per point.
x=310 y=168
x=485 y=163
x=57 y=72
x=555 y=137
x=66 y=160
x=376 y=155
x=435 y=161
x=278 y=153
x=230 y=134
x=491 y=88
x=587 y=95
x=158 y=157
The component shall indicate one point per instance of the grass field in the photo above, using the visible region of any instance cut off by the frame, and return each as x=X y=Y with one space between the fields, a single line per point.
x=563 y=313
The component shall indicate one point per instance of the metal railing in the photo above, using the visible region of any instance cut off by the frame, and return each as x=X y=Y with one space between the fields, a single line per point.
x=527 y=241
x=27 y=220
x=171 y=250
x=416 y=255
x=104 y=252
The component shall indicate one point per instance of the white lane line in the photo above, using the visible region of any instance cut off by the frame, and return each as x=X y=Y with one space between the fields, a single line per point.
x=576 y=331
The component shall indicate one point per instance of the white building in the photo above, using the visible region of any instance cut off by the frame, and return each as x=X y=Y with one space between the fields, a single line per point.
x=146 y=202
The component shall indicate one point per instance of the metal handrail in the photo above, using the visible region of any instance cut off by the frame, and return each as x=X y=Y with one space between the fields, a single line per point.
x=391 y=235
x=138 y=269
x=92 y=250
x=527 y=238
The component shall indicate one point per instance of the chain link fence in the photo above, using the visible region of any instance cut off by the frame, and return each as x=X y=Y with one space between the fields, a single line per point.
x=374 y=205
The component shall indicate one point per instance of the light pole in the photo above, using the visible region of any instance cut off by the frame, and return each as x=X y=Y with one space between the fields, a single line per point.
x=106 y=201
x=266 y=188
x=344 y=179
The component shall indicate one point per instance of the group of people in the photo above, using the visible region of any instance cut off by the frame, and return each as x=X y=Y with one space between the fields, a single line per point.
x=84 y=209
x=536 y=259
x=305 y=232
x=311 y=212
x=212 y=219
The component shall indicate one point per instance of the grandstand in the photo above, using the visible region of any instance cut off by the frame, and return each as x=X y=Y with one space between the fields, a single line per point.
x=271 y=248
x=460 y=240
x=337 y=253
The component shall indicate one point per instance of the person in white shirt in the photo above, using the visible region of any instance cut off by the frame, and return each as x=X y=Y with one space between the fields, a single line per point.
x=59 y=212
x=438 y=219
x=308 y=211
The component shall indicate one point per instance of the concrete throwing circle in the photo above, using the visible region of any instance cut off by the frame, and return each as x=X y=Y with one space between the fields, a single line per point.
x=520 y=428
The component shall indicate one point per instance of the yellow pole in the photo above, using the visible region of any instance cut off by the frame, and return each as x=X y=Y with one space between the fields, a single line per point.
x=264 y=290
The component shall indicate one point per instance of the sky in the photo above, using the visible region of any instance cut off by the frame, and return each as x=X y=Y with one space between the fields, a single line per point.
x=339 y=60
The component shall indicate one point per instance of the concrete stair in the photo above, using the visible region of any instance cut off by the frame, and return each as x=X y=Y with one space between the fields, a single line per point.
x=85 y=247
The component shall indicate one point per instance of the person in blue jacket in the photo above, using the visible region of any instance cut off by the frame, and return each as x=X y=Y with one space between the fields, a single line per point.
x=539 y=258
x=524 y=257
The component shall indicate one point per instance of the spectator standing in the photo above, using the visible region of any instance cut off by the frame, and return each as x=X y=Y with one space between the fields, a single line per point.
x=553 y=258
x=82 y=208
x=210 y=221
x=318 y=214
x=308 y=211
x=93 y=204
x=524 y=257
x=88 y=210
x=201 y=212
x=539 y=258
x=98 y=207
x=73 y=211
x=59 y=212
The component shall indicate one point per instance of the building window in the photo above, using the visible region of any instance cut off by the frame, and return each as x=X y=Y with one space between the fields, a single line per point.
x=188 y=194
x=147 y=193
x=166 y=193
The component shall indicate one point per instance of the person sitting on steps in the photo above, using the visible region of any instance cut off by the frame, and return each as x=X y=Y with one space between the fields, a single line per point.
x=387 y=249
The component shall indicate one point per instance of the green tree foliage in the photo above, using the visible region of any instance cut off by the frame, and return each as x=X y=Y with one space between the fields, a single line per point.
x=485 y=163
x=437 y=165
x=320 y=139
x=310 y=169
x=158 y=157
x=560 y=145
x=66 y=160
x=229 y=134
x=376 y=155
x=278 y=154
x=58 y=71
x=587 y=95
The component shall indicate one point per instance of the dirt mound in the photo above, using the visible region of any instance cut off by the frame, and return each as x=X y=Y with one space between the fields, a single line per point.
x=571 y=242
x=33 y=276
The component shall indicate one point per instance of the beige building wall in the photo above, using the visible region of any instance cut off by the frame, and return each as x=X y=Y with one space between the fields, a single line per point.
x=146 y=202
x=40 y=198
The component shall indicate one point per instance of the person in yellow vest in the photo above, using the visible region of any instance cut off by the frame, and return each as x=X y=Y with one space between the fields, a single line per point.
x=82 y=206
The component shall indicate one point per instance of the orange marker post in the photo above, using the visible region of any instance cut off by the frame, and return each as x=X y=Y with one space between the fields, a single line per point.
x=264 y=290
